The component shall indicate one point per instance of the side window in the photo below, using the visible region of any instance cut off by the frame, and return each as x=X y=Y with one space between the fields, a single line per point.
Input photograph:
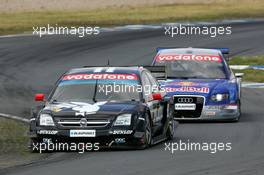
x=152 y=79
x=226 y=67
x=154 y=83
x=146 y=86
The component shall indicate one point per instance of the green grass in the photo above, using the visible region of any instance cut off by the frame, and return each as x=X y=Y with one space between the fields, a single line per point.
x=247 y=60
x=13 y=144
x=250 y=75
x=24 y=21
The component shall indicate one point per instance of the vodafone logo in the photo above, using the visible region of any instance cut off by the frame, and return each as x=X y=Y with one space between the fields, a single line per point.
x=188 y=57
x=100 y=77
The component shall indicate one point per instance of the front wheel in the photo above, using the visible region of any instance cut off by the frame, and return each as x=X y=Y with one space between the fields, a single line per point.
x=239 y=111
x=170 y=130
x=148 y=133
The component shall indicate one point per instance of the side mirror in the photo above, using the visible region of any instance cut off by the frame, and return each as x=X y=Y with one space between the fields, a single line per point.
x=39 y=97
x=157 y=96
x=239 y=75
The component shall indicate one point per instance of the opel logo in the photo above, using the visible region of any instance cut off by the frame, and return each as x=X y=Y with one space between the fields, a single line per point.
x=83 y=122
x=185 y=100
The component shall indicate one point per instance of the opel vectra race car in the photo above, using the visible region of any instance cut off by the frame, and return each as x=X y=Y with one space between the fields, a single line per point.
x=108 y=105
x=202 y=85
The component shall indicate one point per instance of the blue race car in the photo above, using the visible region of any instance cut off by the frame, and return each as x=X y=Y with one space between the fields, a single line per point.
x=200 y=82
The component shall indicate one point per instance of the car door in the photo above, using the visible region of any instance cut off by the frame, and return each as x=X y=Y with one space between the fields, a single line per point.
x=159 y=106
x=152 y=104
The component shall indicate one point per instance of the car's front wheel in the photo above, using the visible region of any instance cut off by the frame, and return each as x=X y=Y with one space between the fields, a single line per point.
x=239 y=111
x=148 y=133
x=170 y=130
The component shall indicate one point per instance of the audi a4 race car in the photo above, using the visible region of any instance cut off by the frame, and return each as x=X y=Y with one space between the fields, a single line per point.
x=108 y=105
x=202 y=85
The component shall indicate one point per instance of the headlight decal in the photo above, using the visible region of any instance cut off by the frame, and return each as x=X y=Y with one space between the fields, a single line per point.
x=220 y=97
x=123 y=120
x=46 y=120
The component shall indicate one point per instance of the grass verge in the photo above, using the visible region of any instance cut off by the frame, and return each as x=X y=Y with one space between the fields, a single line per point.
x=250 y=74
x=24 y=21
x=13 y=144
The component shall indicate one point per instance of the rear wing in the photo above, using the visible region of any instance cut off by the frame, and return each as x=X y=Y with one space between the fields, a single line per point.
x=224 y=51
x=159 y=72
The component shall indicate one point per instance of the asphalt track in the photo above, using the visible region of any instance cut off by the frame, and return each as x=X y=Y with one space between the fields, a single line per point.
x=31 y=64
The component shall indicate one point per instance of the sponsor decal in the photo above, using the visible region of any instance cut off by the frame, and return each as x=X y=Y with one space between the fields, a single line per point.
x=82 y=109
x=188 y=89
x=85 y=108
x=120 y=140
x=185 y=106
x=99 y=76
x=82 y=133
x=188 y=57
x=232 y=107
x=48 y=132
x=122 y=132
x=210 y=113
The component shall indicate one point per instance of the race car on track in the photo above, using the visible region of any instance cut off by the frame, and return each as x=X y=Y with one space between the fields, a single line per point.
x=104 y=105
x=200 y=82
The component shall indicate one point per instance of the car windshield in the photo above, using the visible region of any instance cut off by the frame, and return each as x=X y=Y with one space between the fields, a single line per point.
x=79 y=88
x=192 y=68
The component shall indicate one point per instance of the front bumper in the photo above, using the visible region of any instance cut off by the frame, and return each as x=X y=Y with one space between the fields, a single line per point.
x=217 y=112
x=123 y=138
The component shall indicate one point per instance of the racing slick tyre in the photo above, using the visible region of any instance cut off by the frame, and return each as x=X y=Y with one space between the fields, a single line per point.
x=147 y=134
x=170 y=130
x=171 y=127
x=239 y=111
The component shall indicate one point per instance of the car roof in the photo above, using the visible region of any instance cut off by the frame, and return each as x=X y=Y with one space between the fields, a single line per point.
x=190 y=51
x=107 y=69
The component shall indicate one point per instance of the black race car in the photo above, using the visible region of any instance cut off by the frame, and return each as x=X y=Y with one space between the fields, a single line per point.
x=110 y=106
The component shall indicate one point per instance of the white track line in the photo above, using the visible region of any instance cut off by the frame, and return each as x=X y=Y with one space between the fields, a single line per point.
x=8 y=116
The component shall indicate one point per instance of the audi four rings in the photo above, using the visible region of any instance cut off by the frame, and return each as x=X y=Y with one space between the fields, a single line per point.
x=185 y=100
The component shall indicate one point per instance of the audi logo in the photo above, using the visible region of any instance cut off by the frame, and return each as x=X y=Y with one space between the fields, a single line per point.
x=185 y=100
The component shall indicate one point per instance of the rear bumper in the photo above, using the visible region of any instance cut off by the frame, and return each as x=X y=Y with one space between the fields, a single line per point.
x=220 y=112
